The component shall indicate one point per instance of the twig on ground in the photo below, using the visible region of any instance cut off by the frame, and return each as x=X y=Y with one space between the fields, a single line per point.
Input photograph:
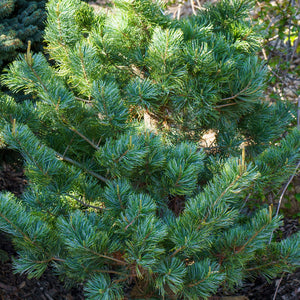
x=298 y=114
x=277 y=76
x=193 y=7
x=7 y=288
x=179 y=11
x=296 y=43
x=282 y=194
x=277 y=287
x=285 y=188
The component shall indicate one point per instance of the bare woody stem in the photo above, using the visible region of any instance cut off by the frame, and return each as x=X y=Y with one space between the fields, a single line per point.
x=84 y=204
x=94 y=174
x=84 y=137
x=176 y=251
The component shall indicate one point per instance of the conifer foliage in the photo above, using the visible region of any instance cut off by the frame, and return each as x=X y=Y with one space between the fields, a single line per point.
x=20 y=21
x=136 y=210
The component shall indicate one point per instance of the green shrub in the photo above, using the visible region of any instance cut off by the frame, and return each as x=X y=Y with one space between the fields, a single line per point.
x=120 y=196
x=21 y=21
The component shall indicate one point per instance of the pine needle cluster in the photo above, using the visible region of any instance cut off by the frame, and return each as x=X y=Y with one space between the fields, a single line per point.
x=132 y=209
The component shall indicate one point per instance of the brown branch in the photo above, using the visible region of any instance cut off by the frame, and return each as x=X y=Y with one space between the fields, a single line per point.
x=110 y=272
x=176 y=251
x=122 y=279
x=222 y=194
x=133 y=219
x=120 y=262
x=202 y=280
x=58 y=259
x=226 y=190
x=83 y=100
x=251 y=239
x=83 y=203
x=262 y=266
x=268 y=264
x=224 y=105
x=67 y=148
x=236 y=95
x=46 y=261
x=94 y=174
x=131 y=222
x=84 y=137
x=196 y=283
x=118 y=160
x=193 y=7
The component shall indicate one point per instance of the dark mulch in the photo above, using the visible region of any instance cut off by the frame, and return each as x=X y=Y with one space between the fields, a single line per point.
x=49 y=287
x=16 y=286
x=12 y=177
x=288 y=286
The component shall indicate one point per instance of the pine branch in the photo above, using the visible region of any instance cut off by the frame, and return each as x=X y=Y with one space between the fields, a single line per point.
x=238 y=94
x=83 y=100
x=171 y=218
x=85 y=204
x=75 y=163
x=83 y=136
x=119 y=262
x=29 y=61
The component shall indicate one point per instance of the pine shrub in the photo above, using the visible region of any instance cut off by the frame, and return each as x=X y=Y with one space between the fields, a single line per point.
x=121 y=194
x=20 y=21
